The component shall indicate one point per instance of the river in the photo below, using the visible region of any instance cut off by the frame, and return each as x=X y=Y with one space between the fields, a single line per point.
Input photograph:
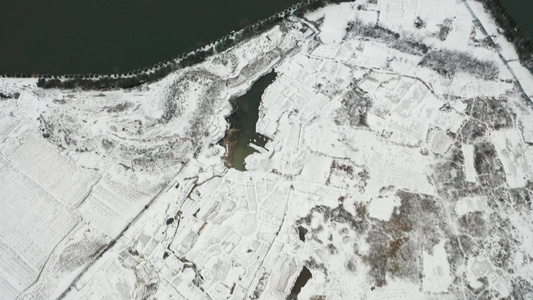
x=521 y=10
x=97 y=36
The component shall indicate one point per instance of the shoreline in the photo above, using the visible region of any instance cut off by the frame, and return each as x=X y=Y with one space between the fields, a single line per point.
x=511 y=31
x=522 y=44
x=518 y=68
x=125 y=80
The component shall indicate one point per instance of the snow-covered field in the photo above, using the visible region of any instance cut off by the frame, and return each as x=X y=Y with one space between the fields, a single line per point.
x=399 y=166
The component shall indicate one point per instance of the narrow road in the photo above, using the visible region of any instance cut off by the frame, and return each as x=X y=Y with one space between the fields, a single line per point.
x=112 y=243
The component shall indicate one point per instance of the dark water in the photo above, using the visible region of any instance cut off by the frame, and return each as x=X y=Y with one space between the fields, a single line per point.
x=522 y=12
x=302 y=231
x=301 y=281
x=243 y=123
x=109 y=36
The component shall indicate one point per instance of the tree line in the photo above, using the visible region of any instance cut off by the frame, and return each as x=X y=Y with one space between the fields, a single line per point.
x=448 y=62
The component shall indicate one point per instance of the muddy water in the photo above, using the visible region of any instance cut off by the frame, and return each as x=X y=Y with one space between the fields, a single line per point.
x=242 y=121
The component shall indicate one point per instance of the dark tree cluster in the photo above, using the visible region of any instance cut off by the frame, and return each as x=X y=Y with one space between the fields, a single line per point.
x=491 y=111
x=9 y=96
x=371 y=31
x=419 y=23
x=356 y=104
x=391 y=38
x=312 y=5
x=17 y=75
x=448 y=62
x=445 y=29
x=127 y=80
x=487 y=165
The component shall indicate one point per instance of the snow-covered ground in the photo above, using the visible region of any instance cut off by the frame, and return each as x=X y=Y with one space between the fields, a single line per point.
x=399 y=166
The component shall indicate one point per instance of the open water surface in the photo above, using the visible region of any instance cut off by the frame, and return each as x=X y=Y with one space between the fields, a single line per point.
x=110 y=36
x=522 y=12
x=243 y=122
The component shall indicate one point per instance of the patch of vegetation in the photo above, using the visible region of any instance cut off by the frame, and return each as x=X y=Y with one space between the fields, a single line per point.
x=419 y=23
x=395 y=245
x=484 y=285
x=471 y=131
x=345 y=174
x=356 y=103
x=487 y=165
x=338 y=214
x=474 y=224
x=521 y=198
x=126 y=80
x=449 y=62
x=9 y=96
x=494 y=112
x=260 y=287
x=522 y=289
x=312 y=5
x=391 y=38
x=449 y=176
x=445 y=28
x=18 y=75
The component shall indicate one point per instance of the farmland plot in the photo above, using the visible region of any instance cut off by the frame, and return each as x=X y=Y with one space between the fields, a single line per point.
x=33 y=223
x=111 y=204
x=58 y=175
